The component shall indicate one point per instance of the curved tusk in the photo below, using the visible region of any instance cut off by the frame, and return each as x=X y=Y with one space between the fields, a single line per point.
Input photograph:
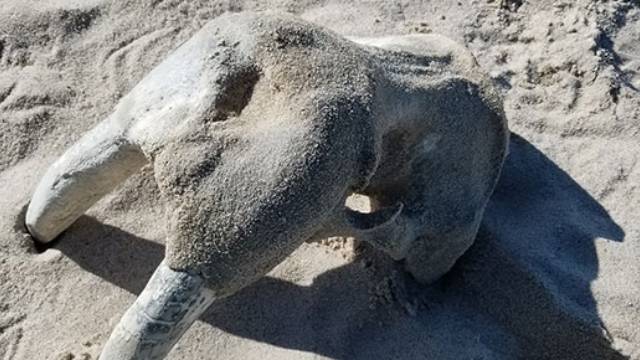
x=90 y=169
x=166 y=308
x=387 y=228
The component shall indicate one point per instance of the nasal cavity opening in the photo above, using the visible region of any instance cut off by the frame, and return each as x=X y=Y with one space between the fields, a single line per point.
x=237 y=90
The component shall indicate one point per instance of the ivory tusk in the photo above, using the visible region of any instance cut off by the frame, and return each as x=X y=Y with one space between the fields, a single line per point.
x=96 y=164
x=166 y=308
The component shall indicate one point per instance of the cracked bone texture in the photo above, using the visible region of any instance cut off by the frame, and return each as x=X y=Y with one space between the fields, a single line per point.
x=552 y=274
x=167 y=307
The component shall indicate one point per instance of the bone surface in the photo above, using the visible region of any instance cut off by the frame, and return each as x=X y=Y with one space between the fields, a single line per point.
x=166 y=308
x=259 y=127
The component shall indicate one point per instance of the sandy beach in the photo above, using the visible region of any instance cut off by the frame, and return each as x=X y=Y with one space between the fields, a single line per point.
x=554 y=272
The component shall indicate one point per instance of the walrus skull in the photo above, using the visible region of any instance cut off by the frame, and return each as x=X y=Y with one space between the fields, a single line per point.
x=258 y=128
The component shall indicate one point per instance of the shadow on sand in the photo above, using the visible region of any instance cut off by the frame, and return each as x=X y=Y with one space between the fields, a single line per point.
x=530 y=270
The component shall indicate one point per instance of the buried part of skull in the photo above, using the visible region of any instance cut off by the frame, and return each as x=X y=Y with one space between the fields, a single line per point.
x=258 y=128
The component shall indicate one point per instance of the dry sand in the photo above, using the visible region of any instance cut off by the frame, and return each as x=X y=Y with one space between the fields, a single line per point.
x=554 y=273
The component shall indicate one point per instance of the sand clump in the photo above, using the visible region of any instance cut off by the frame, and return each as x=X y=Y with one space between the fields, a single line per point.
x=553 y=273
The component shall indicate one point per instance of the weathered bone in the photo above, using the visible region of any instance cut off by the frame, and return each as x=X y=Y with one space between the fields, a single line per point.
x=385 y=228
x=100 y=161
x=166 y=308
x=258 y=128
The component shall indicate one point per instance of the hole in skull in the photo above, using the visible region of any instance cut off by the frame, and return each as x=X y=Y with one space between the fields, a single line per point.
x=363 y=204
x=359 y=202
x=238 y=88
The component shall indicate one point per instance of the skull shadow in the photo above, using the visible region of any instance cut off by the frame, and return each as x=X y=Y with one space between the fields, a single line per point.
x=529 y=272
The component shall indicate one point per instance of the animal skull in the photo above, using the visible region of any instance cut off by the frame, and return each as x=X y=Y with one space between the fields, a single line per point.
x=258 y=128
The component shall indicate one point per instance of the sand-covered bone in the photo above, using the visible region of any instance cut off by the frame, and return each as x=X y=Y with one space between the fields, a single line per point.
x=260 y=126
x=170 y=303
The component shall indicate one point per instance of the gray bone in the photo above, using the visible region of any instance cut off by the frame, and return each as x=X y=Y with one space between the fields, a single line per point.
x=258 y=128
